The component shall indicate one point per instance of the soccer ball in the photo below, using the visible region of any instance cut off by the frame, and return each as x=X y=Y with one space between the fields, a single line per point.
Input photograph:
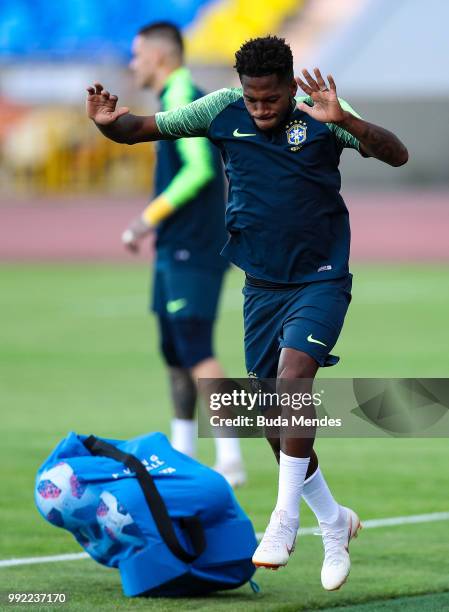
x=62 y=499
x=117 y=523
x=100 y=523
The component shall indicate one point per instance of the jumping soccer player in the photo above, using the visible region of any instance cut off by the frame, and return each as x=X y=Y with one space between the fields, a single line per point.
x=289 y=232
x=187 y=215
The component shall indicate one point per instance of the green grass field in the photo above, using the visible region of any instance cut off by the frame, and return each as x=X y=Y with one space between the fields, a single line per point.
x=78 y=352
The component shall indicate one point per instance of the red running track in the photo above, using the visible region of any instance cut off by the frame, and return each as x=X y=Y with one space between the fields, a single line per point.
x=402 y=226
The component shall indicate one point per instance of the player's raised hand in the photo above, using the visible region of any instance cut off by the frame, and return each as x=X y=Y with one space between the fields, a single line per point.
x=101 y=106
x=326 y=107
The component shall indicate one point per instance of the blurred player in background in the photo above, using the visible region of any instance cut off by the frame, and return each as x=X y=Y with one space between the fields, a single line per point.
x=289 y=232
x=187 y=216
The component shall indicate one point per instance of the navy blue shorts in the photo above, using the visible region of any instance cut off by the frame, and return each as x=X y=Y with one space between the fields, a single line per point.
x=181 y=292
x=185 y=300
x=308 y=318
x=184 y=343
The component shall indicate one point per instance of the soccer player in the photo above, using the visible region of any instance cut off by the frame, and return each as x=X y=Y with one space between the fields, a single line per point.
x=289 y=232
x=187 y=216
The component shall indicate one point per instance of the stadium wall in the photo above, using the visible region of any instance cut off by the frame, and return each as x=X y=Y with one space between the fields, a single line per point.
x=423 y=125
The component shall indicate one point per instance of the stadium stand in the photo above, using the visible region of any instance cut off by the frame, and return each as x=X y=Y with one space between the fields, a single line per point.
x=53 y=150
x=81 y=29
x=68 y=30
x=50 y=148
x=223 y=25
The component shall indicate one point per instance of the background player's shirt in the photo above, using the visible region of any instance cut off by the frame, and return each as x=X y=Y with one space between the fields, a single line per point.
x=190 y=174
x=285 y=216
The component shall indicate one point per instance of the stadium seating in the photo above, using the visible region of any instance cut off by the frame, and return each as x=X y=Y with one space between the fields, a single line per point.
x=53 y=149
x=223 y=26
x=77 y=29
x=85 y=30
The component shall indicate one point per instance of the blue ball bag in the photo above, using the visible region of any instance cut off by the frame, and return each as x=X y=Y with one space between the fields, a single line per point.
x=171 y=525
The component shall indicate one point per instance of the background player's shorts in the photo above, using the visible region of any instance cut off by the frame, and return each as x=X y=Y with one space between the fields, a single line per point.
x=181 y=292
x=186 y=300
x=308 y=318
x=184 y=343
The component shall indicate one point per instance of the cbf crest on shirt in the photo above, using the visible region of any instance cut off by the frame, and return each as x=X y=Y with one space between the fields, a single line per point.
x=296 y=134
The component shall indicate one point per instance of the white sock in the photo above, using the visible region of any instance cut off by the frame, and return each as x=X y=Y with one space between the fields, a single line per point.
x=227 y=451
x=292 y=472
x=184 y=434
x=320 y=500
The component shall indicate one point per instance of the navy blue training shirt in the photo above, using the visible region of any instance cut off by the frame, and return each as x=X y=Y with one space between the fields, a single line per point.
x=285 y=216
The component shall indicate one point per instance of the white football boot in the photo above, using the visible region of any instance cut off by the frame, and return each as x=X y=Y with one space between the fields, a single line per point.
x=278 y=541
x=336 y=538
x=233 y=472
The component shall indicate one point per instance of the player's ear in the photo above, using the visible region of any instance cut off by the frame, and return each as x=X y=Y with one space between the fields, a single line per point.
x=293 y=88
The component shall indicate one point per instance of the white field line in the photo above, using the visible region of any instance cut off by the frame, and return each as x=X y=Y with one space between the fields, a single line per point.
x=33 y=560
x=369 y=524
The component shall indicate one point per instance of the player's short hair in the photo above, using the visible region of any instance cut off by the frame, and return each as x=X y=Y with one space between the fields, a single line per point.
x=265 y=56
x=166 y=30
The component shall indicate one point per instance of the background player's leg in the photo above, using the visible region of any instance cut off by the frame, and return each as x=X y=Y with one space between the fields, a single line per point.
x=192 y=343
x=227 y=450
x=184 y=431
x=183 y=391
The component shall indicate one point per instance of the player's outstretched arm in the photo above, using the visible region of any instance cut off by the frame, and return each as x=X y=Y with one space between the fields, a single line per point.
x=374 y=140
x=117 y=123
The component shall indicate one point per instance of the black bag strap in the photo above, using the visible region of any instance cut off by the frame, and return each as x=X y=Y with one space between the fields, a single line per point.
x=155 y=502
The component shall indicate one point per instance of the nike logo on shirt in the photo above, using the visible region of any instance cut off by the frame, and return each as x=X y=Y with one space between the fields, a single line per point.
x=237 y=134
